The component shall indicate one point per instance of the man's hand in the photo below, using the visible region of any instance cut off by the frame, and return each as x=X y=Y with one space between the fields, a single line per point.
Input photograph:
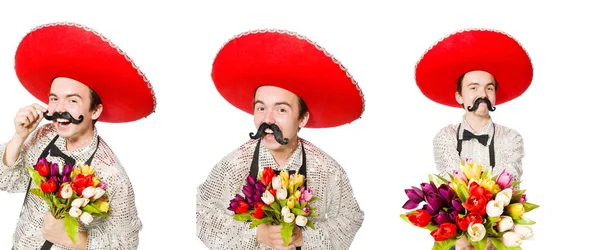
x=464 y=244
x=53 y=230
x=270 y=235
x=27 y=120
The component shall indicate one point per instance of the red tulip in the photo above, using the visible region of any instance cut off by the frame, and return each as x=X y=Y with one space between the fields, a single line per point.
x=267 y=176
x=48 y=186
x=419 y=219
x=242 y=207
x=43 y=169
x=446 y=231
x=464 y=221
x=258 y=211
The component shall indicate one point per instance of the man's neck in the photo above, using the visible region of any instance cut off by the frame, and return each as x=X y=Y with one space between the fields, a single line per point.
x=79 y=141
x=477 y=122
x=283 y=155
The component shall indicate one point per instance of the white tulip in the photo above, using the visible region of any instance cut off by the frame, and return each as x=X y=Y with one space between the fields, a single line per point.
x=66 y=192
x=476 y=231
x=88 y=192
x=506 y=223
x=512 y=239
x=285 y=210
x=80 y=202
x=524 y=231
x=86 y=218
x=504 y=196
x=276 y=182
x=98 y=192
x=75 y=212
x=282 y=194
x=289 y=217
x=494 y=208
x=301 y=220
x=267 y=197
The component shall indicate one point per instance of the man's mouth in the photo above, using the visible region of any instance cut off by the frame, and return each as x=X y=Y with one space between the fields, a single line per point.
x=63 y=121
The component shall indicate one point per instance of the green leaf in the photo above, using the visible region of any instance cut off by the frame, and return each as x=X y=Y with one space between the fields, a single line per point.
x=37 y=178
x=264 y=220
x=303 y=204
x=38 y=192
x=463 y=192
x=497 y=242
x=286 y=232
x=276 y=207
x=479 y=245
x=243 y=217
x=515 y=183
x=314 y=199
x=91 y=209
x=523 y=221
x=298 y=211
x=267 y=208
x=283 y=203
x=529 y=206
x=444 y=245
x=72 y=228
x=437 y=179
x=312 y=214
x=310 y=224
x=485 y=173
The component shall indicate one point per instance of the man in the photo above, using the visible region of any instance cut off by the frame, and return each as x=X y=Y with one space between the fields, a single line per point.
x=476 y=70
x=83 y=78
x=287 y=82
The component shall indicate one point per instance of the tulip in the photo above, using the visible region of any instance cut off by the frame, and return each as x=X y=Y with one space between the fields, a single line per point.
x=446 y=192
x=267 y=198
x=524 y=231
x=54 y=169
x=512 y=239
x=86 y=218
x=276 y=182
x=494 y=208
x=43 y=169
x=282 y=194
x=242 y=207
x=103 y=206
x=504 y=196
x=441 y=217
x=434 y=203
x=88 y=192
x=476 y=204
x=80 y=202
x=98 y=192
x=453 y=215
x=523 y=199
x=291 y=202
x=463 y=222
x=415 y=197
x=285 y=178
x=420 y=219
x=298 y=179
x=41 y=161
x=87 y=170
x=469 y=161
x=429 y=188
x=306 y=195
x=65 y=191
x=289 y=217
x=248 y=191
x=250 y=180
x=64 y=179
x=515 y=209
x=306 y=210
x=490 y=185
x=456 y=182
x=506 y=223
x=258 y=211
x=285 y=210
x=471 y=171
x=476 y=231
x=460 y=175
x=48 y=186
x=234 y=203
x=258 y=187
x=444 y=232
x=67 y=169
x=457 y=205
x=75 y=212
x=301 y=220
x=102 y=185
x=267 y=176
x=505 y=179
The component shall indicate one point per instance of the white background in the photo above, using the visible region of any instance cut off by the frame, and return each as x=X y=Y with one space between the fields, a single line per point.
x=167 y=156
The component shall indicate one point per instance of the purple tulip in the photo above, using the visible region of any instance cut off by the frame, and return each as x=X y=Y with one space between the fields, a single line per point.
x=306 y=210
x=259 y=187
x=250 y=180
x=102 y=185
x=523 y=199
x=457 y=205
x=250 y=201
x=429 y=188
x=257 y=197
x=54 y=170
x=446 y=192
x=67 y=169
x=415 y=197
x=504 y=180
x=233 y=204
x=435 y=202
x=64 y=179
x=306 y=195
x=440 y=218
x=248 y=191
x=453 y=215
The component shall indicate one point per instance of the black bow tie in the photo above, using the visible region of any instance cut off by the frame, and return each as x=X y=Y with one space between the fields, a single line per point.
x=54 y=151
x=467 y=135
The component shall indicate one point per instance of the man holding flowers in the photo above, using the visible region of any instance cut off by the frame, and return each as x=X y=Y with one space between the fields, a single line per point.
x=287 y=82
x=83 y=78
x=476 y=70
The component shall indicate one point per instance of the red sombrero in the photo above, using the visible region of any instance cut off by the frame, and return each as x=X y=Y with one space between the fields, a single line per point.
x=80 y=53
x=438 y=70
x=287 y=60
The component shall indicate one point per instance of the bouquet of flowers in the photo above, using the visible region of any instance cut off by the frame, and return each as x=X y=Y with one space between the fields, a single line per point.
x=474 y=203
x=71 y=192
x=275 y=199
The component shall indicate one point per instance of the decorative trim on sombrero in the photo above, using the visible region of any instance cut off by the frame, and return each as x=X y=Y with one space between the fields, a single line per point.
x=105 y=39
x=466 y=30
x=301 y=37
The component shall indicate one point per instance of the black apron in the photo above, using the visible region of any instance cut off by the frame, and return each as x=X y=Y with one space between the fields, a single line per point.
x=254 y=167
x=53 y=150
x=491 y=147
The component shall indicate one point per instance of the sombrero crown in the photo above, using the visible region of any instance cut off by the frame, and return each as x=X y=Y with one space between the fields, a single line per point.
x=74 y=51
x=439 y=69
x=290 y=61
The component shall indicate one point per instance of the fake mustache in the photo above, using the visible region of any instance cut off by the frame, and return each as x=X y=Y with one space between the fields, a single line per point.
x=276 y=132
x=480 y=100
x=63 y=115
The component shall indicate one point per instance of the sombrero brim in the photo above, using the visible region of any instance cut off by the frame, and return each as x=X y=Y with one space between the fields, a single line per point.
x=287 y=60
x=439 y=69
x=80 y=53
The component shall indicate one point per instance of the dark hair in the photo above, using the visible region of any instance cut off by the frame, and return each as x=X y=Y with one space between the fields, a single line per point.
x=94 y=102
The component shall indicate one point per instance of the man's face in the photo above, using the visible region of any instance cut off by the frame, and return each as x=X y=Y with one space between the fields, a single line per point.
x=273 y=105
x=68 y=95
x=476 y=84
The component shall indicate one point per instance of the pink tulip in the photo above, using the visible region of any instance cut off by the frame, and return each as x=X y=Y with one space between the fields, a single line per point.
x=504 y=180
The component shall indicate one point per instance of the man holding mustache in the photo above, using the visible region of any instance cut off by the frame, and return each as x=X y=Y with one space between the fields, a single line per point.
x=476 y=70
x=287 y=83
x=84 y=78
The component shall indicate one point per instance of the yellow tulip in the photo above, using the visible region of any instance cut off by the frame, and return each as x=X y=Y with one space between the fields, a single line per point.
x=472 y=170
x=298 y=179
x=490 y=185
x=103 y=206
x=515 y=209
x=456 y=182
x=291 y=202
x=297 y=194
x=87 y=170
x=285 y=178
